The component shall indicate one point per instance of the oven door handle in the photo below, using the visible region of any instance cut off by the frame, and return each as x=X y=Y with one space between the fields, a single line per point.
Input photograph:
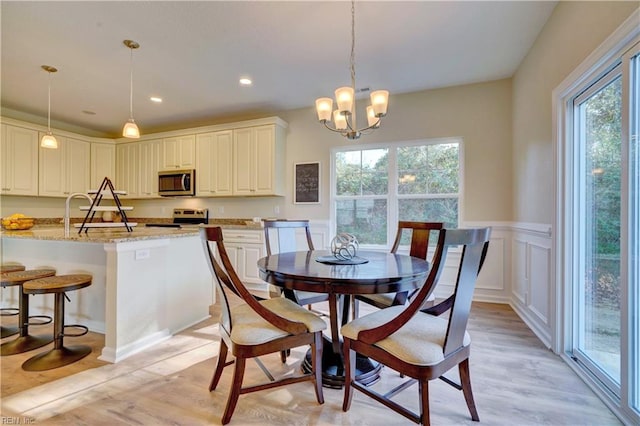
x=184 y=181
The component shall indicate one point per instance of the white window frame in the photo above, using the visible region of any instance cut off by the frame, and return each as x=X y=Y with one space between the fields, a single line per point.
x=392 y=196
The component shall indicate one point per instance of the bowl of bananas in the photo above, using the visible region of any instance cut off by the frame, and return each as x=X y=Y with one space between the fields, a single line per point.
x=17 y=221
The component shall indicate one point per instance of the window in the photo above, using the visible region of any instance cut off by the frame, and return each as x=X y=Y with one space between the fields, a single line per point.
x=374 y=187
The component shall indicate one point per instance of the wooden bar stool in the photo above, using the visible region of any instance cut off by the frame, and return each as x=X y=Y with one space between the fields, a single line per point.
x=60 y=355
x=8 y=312
x=25 y=342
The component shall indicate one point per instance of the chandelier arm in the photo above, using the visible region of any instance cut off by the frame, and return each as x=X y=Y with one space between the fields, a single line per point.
x=331 y=128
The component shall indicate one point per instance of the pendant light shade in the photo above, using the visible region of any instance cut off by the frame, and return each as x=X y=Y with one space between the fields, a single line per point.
x=130 y=129
x=48 y=140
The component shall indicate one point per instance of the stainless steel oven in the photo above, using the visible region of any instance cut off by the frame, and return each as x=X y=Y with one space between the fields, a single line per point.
x=177 y=182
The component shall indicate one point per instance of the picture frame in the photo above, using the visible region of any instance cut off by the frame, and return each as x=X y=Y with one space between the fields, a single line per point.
x=306 y=183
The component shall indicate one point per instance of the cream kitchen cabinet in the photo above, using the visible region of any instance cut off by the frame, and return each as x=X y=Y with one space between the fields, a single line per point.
x=19 y=162
x=127 y=169
x=103 y=163
x=244 y=248
x=179 y=153
x=65 y=170
x=149 y=164
x=258 y=160
x=214 y=167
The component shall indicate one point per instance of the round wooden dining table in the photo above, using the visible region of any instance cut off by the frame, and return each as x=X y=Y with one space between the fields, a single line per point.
x=318 y=271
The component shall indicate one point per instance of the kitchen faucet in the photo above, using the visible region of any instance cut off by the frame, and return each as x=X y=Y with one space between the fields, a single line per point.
x=66 y=209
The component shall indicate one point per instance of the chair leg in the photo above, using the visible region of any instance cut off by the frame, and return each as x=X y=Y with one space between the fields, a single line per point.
x=316 y=365
x=236 y=386
x=349 y=374
x=465 y=380
x=283 y=356
x=222 y=360
x=423 y=391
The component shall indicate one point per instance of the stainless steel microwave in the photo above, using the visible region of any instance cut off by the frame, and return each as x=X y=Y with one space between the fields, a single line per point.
x=177 y=182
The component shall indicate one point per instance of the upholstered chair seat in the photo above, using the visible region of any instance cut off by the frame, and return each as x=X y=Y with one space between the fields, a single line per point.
x=249 y=328
x=420 y=341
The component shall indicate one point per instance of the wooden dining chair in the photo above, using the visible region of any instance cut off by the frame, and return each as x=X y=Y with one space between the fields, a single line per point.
x=258 y=327
x=284 y=234
x=417 y=342
x=419 y=246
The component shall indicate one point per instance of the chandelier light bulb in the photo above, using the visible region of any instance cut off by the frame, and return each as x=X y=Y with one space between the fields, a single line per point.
x=340 y=120
x=371 y=117
x=344 y=99
x=379 y=102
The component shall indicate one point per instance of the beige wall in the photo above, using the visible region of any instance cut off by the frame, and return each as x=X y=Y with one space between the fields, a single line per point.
x=573 y=31
x=479 y=113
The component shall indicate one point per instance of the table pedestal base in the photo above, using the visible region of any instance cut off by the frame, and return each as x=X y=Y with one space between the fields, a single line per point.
x=367 y=370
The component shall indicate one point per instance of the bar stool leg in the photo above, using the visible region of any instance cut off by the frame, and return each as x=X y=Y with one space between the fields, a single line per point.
x=60 y=355
x=25 y=342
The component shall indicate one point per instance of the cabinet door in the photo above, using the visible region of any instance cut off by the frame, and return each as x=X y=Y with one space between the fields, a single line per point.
x=214 y=152
x=265 y=160
x=103 y=163
x=19 y=172
x=77 y=160
x=178 y=152
x=52 y=175
x=149 y=166
x=127 y=170
x=244 y=161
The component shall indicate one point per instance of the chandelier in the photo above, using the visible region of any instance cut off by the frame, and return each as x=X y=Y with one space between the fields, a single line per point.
x=344 y=117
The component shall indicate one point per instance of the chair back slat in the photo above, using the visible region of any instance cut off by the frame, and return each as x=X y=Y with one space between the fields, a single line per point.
x=285 y=231
x=420 y=233
x=475 y=243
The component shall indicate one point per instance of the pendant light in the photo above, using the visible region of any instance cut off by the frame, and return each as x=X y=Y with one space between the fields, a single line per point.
x=48 y=140
x=130 y=129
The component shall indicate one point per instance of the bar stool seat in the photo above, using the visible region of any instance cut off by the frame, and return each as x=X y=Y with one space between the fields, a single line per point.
x=25 y=342
x=7 y=312
x=60 y=355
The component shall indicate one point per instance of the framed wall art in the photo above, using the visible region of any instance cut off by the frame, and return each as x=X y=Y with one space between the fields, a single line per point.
x=306 y=183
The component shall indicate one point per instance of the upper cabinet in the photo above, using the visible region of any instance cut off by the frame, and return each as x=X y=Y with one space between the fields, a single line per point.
x=179 y=153
x=214 y=152
x=65 y=170
x=258 y=161
x=103 y=163
x=19 y=161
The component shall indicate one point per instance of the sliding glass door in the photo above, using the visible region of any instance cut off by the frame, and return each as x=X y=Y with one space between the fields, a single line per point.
x=603 y=230
x=598 y=133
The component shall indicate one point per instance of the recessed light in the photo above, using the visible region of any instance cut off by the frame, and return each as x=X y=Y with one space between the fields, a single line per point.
x=155 y=99
x=244 y=81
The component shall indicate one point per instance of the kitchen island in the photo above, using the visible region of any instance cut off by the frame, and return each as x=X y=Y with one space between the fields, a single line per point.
x=147 y=284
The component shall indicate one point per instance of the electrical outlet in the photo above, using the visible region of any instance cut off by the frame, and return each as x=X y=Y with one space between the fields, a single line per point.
x=221 y=209
x=276 y=209
x=143 y=254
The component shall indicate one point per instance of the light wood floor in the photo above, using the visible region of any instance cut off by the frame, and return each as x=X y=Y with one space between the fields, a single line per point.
x=516 y=381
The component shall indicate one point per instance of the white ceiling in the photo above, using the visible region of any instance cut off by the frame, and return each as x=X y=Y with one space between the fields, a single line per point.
x=193 y=53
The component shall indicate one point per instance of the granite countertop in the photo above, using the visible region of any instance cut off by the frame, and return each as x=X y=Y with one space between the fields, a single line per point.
x=55 y=232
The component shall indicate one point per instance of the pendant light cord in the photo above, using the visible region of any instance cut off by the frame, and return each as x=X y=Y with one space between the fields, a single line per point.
x=353 y=63
x=131 y=86
x=49 y=105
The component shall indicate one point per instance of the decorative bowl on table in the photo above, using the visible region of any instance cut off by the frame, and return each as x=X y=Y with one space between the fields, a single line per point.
x=17 y=222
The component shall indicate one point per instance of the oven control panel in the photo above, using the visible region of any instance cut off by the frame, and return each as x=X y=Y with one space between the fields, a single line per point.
x=190 y=215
